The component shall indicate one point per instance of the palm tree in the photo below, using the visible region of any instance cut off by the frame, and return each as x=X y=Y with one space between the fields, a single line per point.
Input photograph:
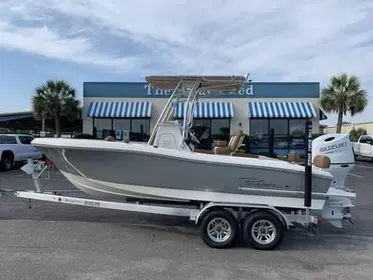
x=38 y=108
x=344 y=95
x=55 y=99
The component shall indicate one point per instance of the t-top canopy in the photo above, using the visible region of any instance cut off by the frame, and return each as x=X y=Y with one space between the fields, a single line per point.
x=206 y=82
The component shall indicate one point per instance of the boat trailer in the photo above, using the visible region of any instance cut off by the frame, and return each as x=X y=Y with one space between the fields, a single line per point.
x=261 y=226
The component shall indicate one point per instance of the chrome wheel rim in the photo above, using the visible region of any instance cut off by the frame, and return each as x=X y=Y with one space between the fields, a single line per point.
x=263 y=232
x=219 y=230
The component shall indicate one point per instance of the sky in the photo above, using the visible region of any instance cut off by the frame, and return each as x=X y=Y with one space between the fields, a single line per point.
x=120 y=40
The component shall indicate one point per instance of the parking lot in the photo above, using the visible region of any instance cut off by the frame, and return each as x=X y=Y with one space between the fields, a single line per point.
x=51 y=241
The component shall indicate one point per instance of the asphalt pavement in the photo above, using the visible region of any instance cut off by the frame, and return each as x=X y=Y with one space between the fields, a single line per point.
x=51 y=241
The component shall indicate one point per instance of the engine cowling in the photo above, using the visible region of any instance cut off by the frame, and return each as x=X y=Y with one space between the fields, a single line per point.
x=340 y=152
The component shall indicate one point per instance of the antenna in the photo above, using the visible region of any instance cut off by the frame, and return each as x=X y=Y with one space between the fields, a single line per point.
x=244 y=82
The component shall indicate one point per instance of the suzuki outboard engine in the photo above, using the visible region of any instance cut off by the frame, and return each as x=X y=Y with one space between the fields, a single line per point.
x=339 y=149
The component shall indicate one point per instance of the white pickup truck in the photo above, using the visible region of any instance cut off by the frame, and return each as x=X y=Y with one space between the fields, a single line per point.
x=15 y=148
x=364 y=146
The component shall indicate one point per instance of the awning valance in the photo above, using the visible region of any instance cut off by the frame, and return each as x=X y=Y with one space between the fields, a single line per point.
x=119 y=109
x=207 y=110
x=282 y=110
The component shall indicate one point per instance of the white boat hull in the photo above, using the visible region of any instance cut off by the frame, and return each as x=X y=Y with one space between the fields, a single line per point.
x=114 y=190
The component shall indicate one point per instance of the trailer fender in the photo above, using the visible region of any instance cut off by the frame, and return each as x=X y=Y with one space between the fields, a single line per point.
x=242 y=207
x=282 y=218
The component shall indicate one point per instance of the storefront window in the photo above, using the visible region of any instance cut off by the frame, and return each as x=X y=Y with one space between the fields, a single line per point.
x=208 y=130
x=140 y=130
x=220 y=129
x=202 y=130
x=122 y=128
x=281 y=135
x=134 y=129
x=102 y=128
x=288 y=134
x=259 y=133
x=296 y=134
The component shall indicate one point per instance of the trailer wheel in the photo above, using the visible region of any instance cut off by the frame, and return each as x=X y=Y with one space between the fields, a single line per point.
x=262 y=230
x=219 y=228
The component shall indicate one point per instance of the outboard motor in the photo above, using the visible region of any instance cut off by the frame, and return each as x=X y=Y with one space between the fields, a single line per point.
x=340 y=152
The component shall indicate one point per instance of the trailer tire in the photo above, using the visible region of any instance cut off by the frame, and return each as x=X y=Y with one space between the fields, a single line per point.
x=259 y=225
x=212 y=228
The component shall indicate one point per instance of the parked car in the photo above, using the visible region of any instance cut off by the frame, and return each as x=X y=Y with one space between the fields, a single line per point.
x=16 y=148
x=364 y=146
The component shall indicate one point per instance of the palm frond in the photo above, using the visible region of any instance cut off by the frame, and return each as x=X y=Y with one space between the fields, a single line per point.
x=358 y=102
x=54 y=98
x=344 y=95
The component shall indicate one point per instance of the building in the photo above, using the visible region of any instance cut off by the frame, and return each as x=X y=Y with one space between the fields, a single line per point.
x=24 y=122
x=131 y=109
x=347 y=127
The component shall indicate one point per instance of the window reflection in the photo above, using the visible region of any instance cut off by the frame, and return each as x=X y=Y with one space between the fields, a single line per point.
x=122 y=128
x=102 y=128
x=288 y=134
x=220 y=129
x=280 y=127
x=202 y=130
x=296 y=132
x=134 y=129
x=208 y=130
x=140 y=130
x=259 y=133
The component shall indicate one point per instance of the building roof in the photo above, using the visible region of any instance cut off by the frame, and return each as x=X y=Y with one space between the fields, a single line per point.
x=9 y=116
x=15 y=113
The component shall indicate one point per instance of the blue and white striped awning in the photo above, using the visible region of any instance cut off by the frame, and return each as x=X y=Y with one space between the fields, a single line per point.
x=207 y=110
x=282 y=110
x=119 y=110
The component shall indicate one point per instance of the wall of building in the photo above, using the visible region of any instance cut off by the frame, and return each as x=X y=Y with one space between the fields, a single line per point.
x=240 y=109
x=254 y=89
x=346 y=128
x=251 y=92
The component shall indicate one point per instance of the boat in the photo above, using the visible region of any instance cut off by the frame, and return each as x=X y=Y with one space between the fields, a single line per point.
x=169 y=168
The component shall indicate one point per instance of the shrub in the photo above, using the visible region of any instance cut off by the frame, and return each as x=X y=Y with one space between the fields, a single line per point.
x=356 y=133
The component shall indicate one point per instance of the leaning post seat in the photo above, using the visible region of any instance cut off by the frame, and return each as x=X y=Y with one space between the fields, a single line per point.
x=293 y=157
x=233 y=144
x=220 y=143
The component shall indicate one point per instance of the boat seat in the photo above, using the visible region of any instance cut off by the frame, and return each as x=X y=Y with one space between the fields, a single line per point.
x=231 y=149
x=293 y=157
x=233 y=145
x=321 y=161
x=242 y=154
x=110 y=139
